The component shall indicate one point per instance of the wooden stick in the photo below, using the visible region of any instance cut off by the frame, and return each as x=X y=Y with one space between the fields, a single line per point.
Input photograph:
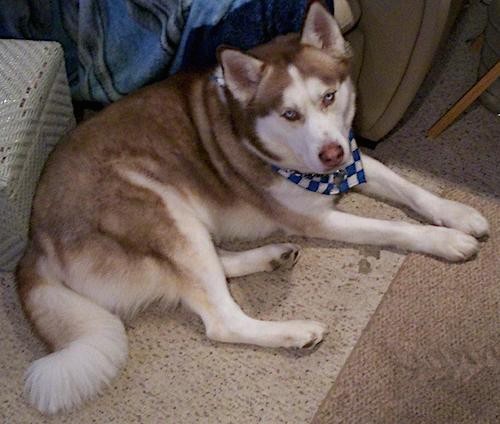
x=449 y=117
x=477 y=44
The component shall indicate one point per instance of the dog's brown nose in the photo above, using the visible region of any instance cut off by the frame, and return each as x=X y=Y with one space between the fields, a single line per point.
x=331 y=155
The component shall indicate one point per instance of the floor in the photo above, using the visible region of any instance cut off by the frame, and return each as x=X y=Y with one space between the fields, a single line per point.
x=176 y=375
x=431 y=352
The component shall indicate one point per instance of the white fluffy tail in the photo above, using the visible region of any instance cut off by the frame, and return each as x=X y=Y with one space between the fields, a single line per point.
x=89 y=343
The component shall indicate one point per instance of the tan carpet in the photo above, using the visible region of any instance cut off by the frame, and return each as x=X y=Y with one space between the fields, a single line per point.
x=431 y=353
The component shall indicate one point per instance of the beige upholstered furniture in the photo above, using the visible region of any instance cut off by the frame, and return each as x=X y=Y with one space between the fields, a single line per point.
x=394 y=42
x=35 y=110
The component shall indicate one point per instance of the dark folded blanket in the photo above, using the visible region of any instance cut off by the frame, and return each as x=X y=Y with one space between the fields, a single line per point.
x=113 y=47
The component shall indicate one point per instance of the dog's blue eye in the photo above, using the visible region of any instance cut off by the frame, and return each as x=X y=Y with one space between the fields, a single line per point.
x=328 y=98
x=291 y=115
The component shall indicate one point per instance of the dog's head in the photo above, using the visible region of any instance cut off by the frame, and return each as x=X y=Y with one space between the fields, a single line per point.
x=293 y=98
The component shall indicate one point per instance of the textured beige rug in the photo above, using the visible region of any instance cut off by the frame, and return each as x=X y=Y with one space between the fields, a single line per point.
x=431 y=352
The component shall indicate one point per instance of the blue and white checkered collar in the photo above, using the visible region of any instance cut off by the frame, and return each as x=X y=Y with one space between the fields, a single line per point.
x=339 y=181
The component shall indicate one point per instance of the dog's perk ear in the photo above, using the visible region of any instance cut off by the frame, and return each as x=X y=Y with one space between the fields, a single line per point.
x=242 y=72
x=322 y=31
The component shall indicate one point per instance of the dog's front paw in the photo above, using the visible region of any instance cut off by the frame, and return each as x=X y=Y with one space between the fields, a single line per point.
x=463 y=218
x=452 y=245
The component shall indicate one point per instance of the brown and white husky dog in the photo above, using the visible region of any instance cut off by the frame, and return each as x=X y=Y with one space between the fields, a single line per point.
x=131 y=206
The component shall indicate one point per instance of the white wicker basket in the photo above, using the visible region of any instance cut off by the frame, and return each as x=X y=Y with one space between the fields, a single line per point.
x=35 y=111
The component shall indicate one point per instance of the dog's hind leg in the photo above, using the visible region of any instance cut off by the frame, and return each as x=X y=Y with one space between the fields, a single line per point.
x=265 y=258
x=203 y=289
x=382 y=182
x=201 y=283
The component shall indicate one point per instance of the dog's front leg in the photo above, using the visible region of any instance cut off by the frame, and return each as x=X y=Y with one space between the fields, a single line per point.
x=264 y=258
x=382 y=182
x=443 y=242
